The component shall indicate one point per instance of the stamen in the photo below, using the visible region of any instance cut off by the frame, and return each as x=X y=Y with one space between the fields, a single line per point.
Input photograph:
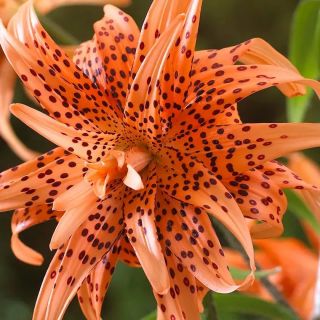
x=118 y=165
x=133 y=179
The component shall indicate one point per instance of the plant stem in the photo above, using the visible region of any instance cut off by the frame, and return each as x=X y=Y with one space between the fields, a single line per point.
x=274 y=292
x=211 y=307
x=64 y=37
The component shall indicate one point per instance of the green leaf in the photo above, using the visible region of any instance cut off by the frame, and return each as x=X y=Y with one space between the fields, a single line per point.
x=298 y=207
x=236 y=303
x=228 y=306
x=241 y=274
x=151 y=316
x=304 y=50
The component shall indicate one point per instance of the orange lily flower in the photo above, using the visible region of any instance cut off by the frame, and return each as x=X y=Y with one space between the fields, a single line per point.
x=7 y=75
x=297 y=277
x=150 y=145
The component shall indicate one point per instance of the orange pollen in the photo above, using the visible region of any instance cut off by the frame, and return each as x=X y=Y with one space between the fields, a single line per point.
x=124 y=165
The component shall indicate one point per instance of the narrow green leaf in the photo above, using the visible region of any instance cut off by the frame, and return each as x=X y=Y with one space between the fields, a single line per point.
x=236 y=303
x=304 y=52
x=298 y=208
x=241 y=274
x=210 y=311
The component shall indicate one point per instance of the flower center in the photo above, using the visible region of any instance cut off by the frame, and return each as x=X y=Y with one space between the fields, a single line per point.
x=124 y=165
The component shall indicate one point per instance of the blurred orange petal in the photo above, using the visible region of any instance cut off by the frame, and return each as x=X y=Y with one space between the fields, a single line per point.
x=309 y=171
x=7 y=84
x=45 y=6
x=297 y=278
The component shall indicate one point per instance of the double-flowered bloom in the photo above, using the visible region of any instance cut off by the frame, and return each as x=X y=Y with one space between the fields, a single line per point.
x=151 y=147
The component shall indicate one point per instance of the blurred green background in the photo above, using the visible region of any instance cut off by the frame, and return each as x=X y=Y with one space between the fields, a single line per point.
x=223 y=23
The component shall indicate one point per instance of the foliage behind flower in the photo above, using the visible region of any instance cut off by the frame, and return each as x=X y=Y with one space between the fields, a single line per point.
x=150 y=146
x=297 y=277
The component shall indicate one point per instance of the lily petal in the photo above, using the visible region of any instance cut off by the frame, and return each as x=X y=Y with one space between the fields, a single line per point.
x=7 y=81
x=24 y=219
x=52 y=77
x=41 y=186
x=21 y=170
x=113 y=45
x=93 y=290
x=240 y=147
x=133 y=179
x=176 y=78
x=181 y=300
x=144 y=92
x=308 y=170
x=260 y=198
x=253 y=51
x=188 y=233
x=142 y=233
x=127 y=254
x=79 y=201
x=191 y=182
x=25 y=253
x=45 y=6
x=88 y=245
x=231 y=84
x=37 y=77
x=90 y=146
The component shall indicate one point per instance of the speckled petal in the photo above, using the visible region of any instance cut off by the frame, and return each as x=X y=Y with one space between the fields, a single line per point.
x=189 y=181
x=253 y=51
x=107 y=59
x=188 y=233
x=142 y=233
x=181 y=300
x=24 y=219
x=77 y=258
x=88 y=145
x=27 y=188
x=233 y=149
x=93 y=290
x=142 y=108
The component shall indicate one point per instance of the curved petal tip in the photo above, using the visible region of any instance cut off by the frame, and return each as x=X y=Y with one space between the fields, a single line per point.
x=24 y=253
